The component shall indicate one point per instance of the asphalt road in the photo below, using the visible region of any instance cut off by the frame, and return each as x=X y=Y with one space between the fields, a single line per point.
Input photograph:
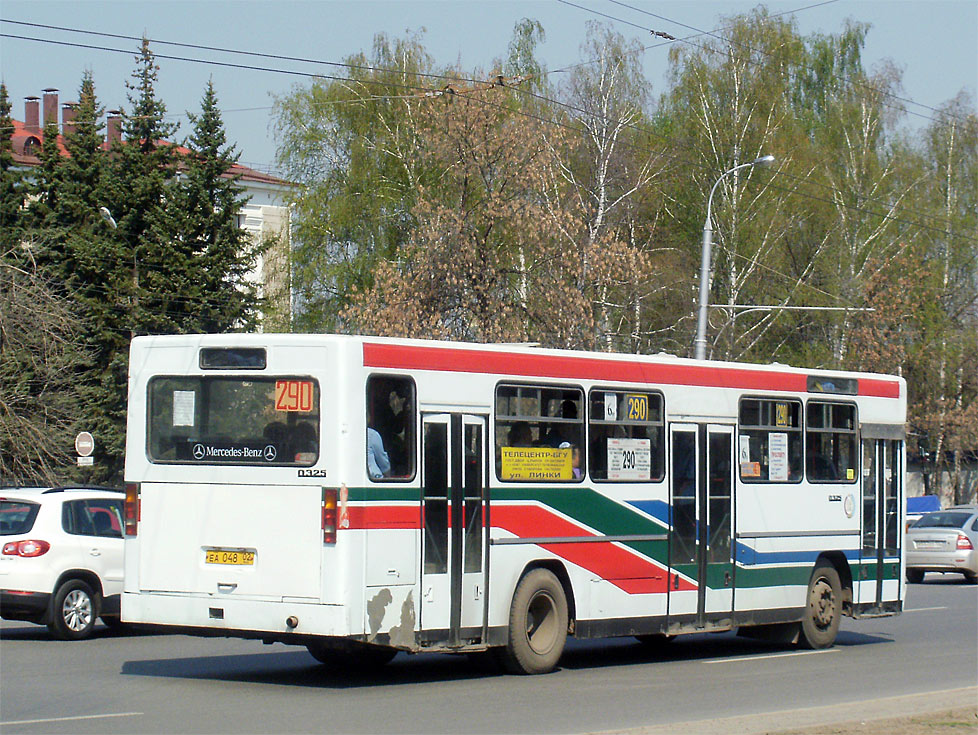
x=174 y=684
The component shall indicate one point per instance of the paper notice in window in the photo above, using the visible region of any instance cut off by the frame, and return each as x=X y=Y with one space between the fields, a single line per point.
x=629 y=459
x=183 y=408
x=777 y=457
x=744 y=449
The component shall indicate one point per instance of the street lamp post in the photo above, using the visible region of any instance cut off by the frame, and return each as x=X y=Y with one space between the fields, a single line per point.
x=107 y=216
x=700 y=343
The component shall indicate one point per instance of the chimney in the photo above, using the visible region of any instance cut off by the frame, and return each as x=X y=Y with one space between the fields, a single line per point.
x=50 y=106
x=68 y=112
x=32 y=111
x=113 y=132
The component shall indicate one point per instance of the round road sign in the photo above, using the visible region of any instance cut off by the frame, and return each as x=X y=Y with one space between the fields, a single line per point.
x=84 y=444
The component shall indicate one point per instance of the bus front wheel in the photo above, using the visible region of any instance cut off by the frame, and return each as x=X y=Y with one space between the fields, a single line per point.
x=824 y=609
x=537 y=624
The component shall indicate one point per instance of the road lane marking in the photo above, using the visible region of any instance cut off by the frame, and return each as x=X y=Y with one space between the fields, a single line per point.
x=923 y=609
x=765 y=656
x=71 y=719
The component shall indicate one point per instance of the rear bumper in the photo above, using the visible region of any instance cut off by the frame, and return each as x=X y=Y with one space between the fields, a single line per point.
x=943 y=561
x=238 y=618
x=30 y=606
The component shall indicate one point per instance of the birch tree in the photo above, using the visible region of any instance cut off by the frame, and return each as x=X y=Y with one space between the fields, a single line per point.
x=608 y=166
x=729 y=105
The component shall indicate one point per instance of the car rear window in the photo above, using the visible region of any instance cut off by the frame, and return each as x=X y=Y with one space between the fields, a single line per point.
x=943 y=519
x=17 y=516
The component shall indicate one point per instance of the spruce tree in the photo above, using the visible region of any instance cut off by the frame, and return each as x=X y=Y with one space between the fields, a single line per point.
x=45 y=186
x=11 y=183
x=38 y=355
x=221 y=254
x=139 y=190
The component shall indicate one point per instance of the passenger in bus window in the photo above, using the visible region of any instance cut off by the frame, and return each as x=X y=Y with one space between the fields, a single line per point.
x=397 y=429
x=520 y=435
x=274 y=432
x=378 y=463
x=304 y=444
x=564 y=432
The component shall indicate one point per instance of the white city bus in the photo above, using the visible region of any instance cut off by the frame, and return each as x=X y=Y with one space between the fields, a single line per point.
x=363 y=496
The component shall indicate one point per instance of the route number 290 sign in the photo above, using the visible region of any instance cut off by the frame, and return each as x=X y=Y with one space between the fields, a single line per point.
x=294 y=395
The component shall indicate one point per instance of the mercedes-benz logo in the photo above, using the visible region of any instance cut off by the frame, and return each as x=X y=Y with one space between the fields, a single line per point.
x=270 y=452
x=199 y=451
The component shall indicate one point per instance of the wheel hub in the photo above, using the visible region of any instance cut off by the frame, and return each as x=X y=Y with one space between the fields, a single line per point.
x=77 y=610
x=822 y=604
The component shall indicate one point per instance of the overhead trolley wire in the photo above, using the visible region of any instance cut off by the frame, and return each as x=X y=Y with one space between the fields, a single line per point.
x=418 y=91
x=700 y=32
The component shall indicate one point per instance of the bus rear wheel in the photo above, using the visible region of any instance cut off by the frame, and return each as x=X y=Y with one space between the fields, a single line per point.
x=823 y=612
x=537 y=624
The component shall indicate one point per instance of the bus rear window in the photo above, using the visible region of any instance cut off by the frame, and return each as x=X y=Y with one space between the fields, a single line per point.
x=233 y=420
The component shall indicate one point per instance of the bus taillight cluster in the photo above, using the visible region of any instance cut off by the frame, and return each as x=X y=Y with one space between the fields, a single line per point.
x=329 y=515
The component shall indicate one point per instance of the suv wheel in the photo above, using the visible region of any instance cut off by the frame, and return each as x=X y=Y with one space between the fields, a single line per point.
x=73 y=611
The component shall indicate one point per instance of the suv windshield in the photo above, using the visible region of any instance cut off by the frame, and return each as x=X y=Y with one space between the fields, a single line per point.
x=17 y=516
x=946 y=519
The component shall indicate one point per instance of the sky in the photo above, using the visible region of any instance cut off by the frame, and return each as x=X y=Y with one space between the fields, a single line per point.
x=933 y=42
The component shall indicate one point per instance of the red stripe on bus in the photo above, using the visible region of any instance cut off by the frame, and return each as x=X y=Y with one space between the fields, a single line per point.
x=384 y=516
x=412 y=357
x=879 y=388
x=623 y=568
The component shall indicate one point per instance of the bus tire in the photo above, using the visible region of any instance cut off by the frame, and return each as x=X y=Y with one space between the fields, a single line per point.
x=655 y=641
x=363 y=658
x=537 y=624
x=74 y=609
x=823 y=610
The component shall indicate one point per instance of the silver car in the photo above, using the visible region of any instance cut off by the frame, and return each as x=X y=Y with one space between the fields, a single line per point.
x=944 y=541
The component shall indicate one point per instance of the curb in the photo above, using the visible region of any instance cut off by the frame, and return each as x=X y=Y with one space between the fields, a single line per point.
x=780 y=720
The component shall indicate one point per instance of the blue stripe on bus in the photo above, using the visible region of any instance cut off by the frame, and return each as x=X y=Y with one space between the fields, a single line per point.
x=749 y=555
x=658 y=509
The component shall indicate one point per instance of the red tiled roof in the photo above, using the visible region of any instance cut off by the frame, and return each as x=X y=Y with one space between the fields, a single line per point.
x=21 y=136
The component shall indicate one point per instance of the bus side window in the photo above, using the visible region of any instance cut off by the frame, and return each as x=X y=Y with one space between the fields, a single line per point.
x=539 y=433
x=392 y=413
x=770 y=443
x=626 y=441
x=830 y=442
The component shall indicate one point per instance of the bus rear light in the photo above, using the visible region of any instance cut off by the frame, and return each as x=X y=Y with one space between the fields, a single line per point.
x=329 y=515
x=964 y=543
x=29 y=547
x=132 y=509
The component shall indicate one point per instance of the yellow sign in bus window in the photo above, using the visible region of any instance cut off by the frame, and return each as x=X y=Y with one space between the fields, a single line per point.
x=537 y=463
x=637 y=407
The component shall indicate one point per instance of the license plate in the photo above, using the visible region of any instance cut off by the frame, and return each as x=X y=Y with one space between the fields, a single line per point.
x=227 y=556
x=930 y=544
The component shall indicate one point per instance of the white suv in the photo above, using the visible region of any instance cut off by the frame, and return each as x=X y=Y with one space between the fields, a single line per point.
x=61 y=563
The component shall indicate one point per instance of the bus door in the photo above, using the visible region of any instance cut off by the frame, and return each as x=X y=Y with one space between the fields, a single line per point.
x=453 y=579
x=882 y=496
x=701 y=582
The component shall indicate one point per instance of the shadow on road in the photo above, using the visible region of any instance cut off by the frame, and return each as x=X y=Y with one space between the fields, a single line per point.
x=40 y=633
x=297 y=668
